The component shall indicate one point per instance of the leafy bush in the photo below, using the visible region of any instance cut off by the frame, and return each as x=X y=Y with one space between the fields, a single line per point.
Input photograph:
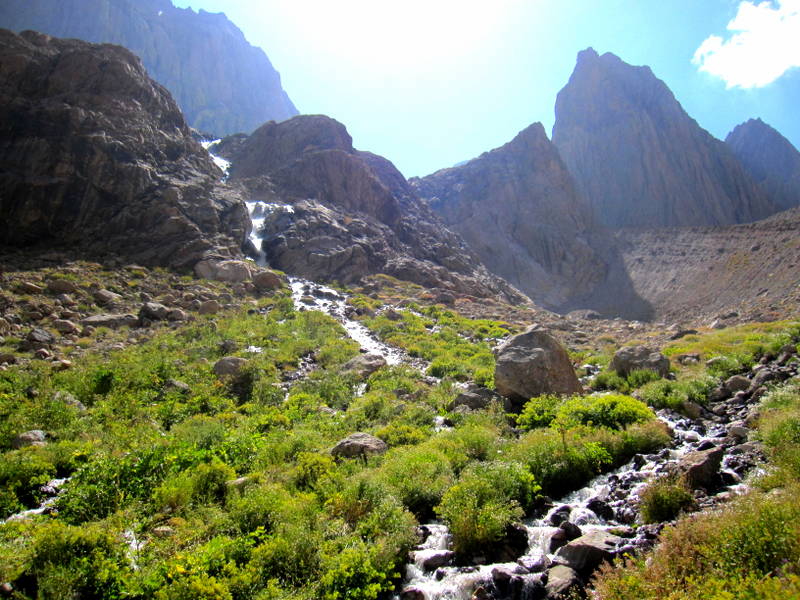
x=664 y=499
x=538 y=412
x=418 y=476
x=353 y=574
x=611 y=410
x=478 y=510
x=611 y=380
x=638 y=377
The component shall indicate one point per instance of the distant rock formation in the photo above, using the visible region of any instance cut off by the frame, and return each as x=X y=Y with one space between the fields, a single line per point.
x=770 y=159
x=518 y=209
x=639 y=159
x=350 y=213
x=223 y=84
x=96 y=156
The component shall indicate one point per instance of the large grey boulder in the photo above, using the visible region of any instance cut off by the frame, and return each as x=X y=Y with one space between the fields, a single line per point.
x=531 y=364
x=359 y=445
x=587 y=552
x=476 y=397
x=633 y=358
x=231 y=271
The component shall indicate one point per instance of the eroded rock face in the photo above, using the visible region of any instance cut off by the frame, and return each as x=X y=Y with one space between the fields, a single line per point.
x=639 y=159
x=96 y=155
x=223 y=84
x=517 y=207
x=350 y=213
x=770 y=159
x=531 y=364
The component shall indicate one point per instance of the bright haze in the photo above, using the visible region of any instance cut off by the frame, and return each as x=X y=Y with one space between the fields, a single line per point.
x=430 y=83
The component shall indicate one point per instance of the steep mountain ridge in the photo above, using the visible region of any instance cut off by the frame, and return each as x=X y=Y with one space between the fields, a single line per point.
x=770 y=159
x=96 y=156
x=639 y=159
x=222 y=83
x=518 y=208
x=338 y=214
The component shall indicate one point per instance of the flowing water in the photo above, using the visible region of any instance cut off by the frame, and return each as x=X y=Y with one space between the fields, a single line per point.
x=608 y=501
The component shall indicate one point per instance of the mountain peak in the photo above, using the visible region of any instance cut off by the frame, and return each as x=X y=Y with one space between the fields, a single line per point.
x=639 y=159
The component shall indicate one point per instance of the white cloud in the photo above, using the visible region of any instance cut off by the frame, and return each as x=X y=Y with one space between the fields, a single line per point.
x=763 y=45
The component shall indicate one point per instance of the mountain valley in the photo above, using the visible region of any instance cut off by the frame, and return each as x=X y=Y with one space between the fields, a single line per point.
x=242 y=359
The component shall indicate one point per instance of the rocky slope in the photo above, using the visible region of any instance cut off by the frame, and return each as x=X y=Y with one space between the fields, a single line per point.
x=333 y=213
x=518 y=209
x=639 y=159
x=770 y=159
x=96 y=156
x=746 y=271
x=223 y=84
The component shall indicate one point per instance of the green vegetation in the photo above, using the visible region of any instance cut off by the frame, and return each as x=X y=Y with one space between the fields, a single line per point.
x=664 y=499
x=611 y=380
x=749 y=549
x=456 y=347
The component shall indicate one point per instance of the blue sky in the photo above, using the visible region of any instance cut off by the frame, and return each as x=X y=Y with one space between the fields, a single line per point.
x=429 y=83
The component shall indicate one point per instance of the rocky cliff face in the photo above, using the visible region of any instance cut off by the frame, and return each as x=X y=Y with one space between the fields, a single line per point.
x=95 y=155
x=223 y=84
x=770 y=159
x=342 y=214
x=518 y=209
x=639 y=159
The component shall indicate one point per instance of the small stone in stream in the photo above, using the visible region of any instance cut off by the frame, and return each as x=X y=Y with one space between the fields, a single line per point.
x=738 y=432
x=700 y=469
x=560 y=515
x=557 y=539
x=436 y=559
x=560 y=580
x=534 y=565
x=412 y=593
x=601 y=509
x=571 y=530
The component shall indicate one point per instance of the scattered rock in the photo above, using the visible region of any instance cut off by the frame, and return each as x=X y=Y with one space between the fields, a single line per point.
x=232 y=271
x=533 y=363
x=736 y=383
x=105 y=297
x=109 y=320
x=209 y=307
x=229 y=365
x=176 y=314
x=61 y=286
x=66 y=327
x=359 y=445
x=163 y=531
x=364 y=365
x=38 y=338
x=632 y=358
x=153 y=311
x=34 y=437
x=476 y=397
x=266 y=281
x=27 y=287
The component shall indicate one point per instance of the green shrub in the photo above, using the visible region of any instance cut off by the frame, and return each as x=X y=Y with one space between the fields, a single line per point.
x=75 y=562
x=610 y=410
x=664 y=499
x=539 y=412
x=353 y=574
x=196 y=587
x=418 y=476
x=311 y=467
x=400 y=434
x=477 y=511
x=638 y=377
x=611 y=380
